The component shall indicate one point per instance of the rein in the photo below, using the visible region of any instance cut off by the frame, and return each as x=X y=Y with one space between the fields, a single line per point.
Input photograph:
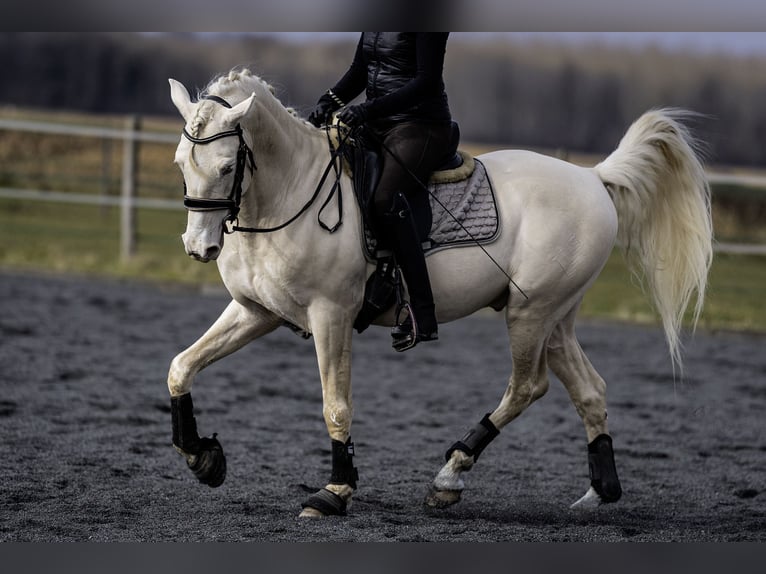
x=244 y=153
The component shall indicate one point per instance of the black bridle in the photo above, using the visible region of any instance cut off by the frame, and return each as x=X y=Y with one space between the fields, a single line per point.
x=244 y=153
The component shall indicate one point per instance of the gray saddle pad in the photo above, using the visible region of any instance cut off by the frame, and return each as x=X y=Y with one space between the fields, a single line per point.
x=471 y=202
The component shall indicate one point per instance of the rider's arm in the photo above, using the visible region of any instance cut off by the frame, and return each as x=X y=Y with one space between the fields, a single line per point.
x=354 y=80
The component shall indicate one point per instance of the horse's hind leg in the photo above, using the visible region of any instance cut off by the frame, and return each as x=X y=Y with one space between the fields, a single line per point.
x=587 y=390
x=528 y=382
x=237 y=326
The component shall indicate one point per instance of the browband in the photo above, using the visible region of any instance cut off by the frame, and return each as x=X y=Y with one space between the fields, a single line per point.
x=216 y=99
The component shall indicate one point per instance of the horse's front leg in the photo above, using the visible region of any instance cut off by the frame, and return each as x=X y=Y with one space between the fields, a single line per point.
x=332 y=330
x=237 y=326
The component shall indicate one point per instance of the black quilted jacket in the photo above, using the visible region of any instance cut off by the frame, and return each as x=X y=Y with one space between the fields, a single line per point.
x=401 y=74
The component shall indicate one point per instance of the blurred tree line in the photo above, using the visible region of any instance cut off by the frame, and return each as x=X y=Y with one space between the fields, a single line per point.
x=540 y=95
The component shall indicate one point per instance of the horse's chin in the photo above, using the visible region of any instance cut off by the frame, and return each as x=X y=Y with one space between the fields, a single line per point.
x=202 y=259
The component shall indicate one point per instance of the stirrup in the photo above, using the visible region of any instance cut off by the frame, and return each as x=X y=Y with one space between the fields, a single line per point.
x=410 y=339
x=406 y=334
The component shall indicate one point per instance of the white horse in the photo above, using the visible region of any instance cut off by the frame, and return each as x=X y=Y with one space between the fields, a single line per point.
x=559 y=223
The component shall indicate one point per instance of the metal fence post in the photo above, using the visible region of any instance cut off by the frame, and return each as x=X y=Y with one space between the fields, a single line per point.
x=129 y=171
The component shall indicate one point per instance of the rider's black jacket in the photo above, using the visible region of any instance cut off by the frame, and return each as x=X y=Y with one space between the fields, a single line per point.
x=402 y=75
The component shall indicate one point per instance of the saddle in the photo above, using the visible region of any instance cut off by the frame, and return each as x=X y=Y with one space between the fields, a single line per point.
x=459 y=209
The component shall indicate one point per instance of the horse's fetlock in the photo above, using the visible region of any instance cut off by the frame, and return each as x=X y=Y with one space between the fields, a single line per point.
x=462 y=461
x=342 y=490
x=191 y=459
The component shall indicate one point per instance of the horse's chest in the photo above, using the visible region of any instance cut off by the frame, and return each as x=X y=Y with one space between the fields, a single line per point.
x=270 y=286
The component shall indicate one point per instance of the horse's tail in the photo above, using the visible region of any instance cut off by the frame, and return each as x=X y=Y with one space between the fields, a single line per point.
x=658 y=186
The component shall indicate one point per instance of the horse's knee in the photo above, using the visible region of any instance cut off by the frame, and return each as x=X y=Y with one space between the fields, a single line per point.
x=337 y=417
x=179 y=376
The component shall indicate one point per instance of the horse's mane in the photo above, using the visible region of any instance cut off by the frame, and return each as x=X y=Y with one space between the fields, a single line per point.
x=237 y=85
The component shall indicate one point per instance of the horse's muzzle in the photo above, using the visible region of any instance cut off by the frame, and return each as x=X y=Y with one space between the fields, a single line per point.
x=209 y=254
x=202 y=245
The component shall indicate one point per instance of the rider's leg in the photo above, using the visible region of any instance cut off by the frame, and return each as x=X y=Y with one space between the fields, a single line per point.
x=408 y=252
x=410 y=154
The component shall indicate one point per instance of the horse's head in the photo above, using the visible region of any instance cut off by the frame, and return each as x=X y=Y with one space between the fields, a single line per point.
x=216 y=161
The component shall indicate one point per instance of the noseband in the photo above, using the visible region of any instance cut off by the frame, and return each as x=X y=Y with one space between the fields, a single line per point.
x=244 y=153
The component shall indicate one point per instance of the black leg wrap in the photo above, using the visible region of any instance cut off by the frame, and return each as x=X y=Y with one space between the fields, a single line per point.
x=185 y=434
x=476 y=439
x=603 y=473
x=209 y=461
x=343 y=471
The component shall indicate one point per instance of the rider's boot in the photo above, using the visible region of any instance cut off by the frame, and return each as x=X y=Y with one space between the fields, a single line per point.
x=404 y=240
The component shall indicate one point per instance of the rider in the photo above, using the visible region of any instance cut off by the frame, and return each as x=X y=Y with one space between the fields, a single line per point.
x=406 y=107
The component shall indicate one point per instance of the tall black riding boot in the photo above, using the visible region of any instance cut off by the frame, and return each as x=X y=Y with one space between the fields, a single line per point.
x=404 y=240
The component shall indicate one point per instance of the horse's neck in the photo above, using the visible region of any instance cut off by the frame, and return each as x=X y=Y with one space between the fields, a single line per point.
x=290 y=158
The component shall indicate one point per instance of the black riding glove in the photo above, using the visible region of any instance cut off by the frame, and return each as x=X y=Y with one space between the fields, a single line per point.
x=321 y=113
x=354 y=116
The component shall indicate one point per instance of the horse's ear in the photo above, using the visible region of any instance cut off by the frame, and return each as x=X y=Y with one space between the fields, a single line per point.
x=235 y=114
x=181 y=98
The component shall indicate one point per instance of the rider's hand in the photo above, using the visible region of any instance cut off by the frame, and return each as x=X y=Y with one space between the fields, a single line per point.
x=354 y=115
x=322 y=111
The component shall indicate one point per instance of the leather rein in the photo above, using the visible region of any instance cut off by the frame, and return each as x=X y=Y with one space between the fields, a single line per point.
x=245 y=156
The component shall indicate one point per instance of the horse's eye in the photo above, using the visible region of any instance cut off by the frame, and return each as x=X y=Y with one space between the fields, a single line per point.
x=227 y=170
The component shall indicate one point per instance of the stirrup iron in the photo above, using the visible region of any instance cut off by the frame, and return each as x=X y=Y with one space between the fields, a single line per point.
x=401 y=344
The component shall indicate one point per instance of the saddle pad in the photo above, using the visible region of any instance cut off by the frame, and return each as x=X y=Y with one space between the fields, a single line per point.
x=471 y=201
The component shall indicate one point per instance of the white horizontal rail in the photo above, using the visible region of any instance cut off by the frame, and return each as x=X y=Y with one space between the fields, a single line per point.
x=718 y=178
x=87 y=131
x=87 y=198
x=740 y=248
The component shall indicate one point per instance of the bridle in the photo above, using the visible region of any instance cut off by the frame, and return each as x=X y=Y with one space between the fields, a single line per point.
x=244 y=153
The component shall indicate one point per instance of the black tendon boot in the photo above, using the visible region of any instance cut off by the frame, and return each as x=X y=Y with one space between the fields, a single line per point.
x=405 y=243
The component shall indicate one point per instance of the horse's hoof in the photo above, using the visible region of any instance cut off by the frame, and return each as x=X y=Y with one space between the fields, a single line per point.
x=209 y=464
x=309 y=512
x=442 y=498
x=323 y=503
x=591 y=500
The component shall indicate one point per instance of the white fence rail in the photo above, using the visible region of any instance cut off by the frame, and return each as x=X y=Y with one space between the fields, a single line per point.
x=131 y=136
x=129 y=133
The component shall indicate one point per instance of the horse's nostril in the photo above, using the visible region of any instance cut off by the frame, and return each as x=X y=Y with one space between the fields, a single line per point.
x=212 y=252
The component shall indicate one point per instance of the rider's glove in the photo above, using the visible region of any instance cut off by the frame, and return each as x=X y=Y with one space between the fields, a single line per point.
x=354 y=115
x=326 y=105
